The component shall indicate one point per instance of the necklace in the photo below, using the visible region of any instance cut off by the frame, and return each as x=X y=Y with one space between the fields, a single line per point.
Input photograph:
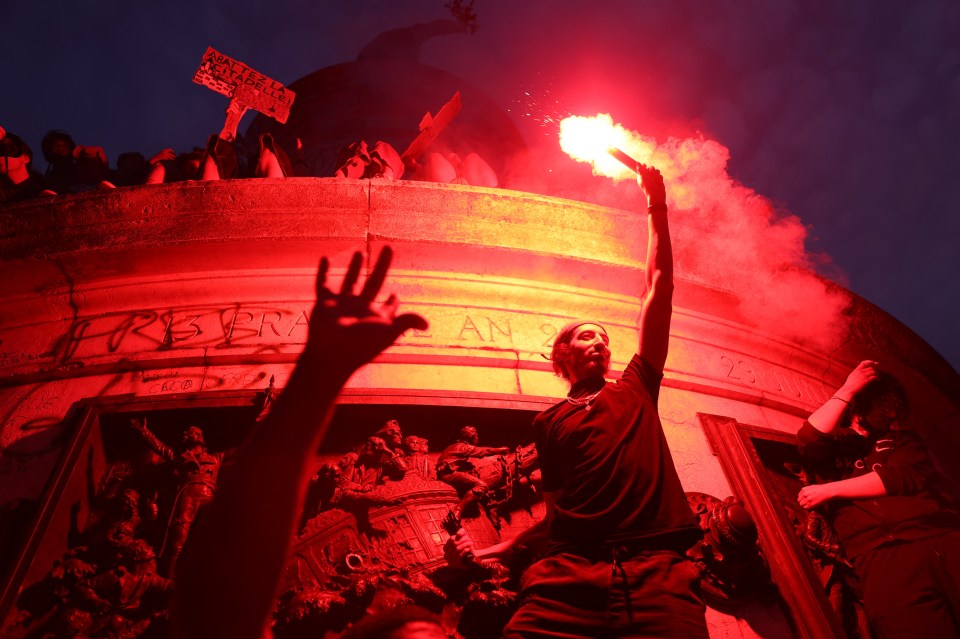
x=582 y=401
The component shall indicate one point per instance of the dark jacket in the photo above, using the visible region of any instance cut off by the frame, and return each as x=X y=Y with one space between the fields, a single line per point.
x=913 y=508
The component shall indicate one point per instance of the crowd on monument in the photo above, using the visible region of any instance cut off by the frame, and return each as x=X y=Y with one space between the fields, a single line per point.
x=73 y=168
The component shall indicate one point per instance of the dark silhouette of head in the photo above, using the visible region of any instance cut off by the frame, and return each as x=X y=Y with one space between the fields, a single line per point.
x=57 y=146
x=882 y=403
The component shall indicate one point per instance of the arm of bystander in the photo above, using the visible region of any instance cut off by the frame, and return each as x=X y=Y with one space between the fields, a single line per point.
x=231 y=568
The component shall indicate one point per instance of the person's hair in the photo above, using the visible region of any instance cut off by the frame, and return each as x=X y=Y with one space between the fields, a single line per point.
x=131 y=157
x=14 y=142
x=46 y=144
x=886 y=390
x=379 y=625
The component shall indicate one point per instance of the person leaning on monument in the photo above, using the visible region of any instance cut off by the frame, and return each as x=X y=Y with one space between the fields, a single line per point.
x=231 y=567
x=878 y=488
x=617 y=521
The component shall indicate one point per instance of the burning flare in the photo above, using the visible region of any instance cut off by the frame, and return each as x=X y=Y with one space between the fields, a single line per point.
x=594 y=140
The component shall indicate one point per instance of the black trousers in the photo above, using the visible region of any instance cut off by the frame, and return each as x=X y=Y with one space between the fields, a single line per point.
x=652 y=594
x=912 y=589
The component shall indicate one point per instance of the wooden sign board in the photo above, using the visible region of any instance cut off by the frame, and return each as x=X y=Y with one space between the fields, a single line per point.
x=242 y=84
x=431 y=127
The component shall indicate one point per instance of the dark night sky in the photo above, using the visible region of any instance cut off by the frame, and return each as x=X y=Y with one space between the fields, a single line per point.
x=846 y=114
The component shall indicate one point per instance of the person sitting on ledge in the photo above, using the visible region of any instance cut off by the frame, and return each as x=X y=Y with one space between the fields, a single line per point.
x=231 y=568
x=450 y=169
x=273 y=161
x=360 y=161
x=132 y=169
x=72 y=168
x=879 y=490
x=18 y=180
x=220 y=160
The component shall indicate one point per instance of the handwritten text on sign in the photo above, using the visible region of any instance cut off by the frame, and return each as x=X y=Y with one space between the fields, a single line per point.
x=236 y=80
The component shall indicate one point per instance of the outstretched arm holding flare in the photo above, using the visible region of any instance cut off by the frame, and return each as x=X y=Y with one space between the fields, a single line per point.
x=654 y=327
x=231 y=568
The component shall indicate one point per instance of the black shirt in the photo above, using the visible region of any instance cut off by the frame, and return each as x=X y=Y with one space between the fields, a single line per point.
x=610 y=462
x=29 y=188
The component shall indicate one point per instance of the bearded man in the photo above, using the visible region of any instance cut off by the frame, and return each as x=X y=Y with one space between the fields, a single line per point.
x=617 y=521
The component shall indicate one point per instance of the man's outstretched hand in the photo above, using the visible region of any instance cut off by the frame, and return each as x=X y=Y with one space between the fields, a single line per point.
x=459 y=550
x=348 y=330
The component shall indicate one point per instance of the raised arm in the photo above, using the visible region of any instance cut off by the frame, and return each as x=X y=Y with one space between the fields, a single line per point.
x=654 y=328
x=832 y=413
x=487 y=451
x=231 y=567
x=152 y=441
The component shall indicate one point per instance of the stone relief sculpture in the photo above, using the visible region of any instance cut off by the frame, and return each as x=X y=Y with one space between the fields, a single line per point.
x=728 y=557
x=106 y=584
x=417 y=457
x=376 y=540
x=372 y=537
x=458 y=465
x=195 y=470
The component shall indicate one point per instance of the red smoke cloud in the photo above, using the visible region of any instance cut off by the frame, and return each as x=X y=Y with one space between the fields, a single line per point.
x=726 y=235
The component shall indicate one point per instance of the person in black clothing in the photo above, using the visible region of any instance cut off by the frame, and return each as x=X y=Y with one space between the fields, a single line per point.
x=617 y=520
x=18 y=181
x=878 y=488
x=72 y=168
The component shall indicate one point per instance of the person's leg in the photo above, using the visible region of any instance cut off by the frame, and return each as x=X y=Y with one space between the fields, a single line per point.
x=657 y=595
x=946 y=561
x=562 y=597
x=901 y=593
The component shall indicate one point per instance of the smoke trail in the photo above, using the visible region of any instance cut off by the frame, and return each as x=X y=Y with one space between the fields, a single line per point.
x=726 y=235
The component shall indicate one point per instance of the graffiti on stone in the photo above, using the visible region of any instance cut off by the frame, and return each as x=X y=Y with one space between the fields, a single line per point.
x=160 y=330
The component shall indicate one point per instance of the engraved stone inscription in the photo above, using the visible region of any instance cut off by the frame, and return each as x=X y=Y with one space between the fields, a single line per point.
x=774 y=379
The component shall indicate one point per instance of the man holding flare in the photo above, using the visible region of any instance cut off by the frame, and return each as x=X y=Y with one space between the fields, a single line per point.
x=617 y=521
